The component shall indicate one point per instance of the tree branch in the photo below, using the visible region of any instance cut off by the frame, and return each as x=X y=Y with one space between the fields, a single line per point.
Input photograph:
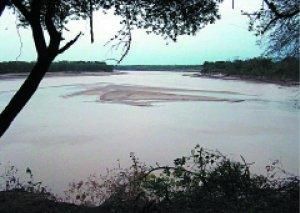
x=167 y=168
x=124 y=38
x=91 y=21
x=266 y=28
x=53 y=33
x=278 y=14
x=33 y=18
x=127 y=46
x=69 y=44
x=18 y=4
x=36 y=6
x=3 y=4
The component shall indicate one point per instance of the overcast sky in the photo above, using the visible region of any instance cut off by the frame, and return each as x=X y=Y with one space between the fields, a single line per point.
x=227 y=39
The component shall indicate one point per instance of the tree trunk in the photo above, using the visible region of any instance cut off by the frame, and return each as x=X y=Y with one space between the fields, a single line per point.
x=24 y=94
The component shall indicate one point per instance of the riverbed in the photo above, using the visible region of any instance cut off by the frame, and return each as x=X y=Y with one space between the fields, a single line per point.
x=80 y=125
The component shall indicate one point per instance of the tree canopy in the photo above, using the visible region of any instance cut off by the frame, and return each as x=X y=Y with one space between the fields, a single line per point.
x=169 y=18
x=278 y=22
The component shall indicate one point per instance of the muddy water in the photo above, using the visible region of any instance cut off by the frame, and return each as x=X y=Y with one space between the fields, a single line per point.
x=63 y=139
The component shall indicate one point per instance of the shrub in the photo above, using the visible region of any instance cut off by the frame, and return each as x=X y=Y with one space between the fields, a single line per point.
x=205 y=181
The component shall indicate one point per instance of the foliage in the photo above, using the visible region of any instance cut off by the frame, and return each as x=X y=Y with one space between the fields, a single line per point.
x=167 y=18
x=116 y=185
x=10 y=181
x=26 y=195
x=205 y=181
x=170 y=18
x=263 y=68
x=278 y=23
x=62 y=66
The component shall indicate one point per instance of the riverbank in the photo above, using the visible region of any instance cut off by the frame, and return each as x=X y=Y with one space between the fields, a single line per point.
x=172 y=68
x=256 y=79
x=284 y=72
x=10 y=76
x=59 y=66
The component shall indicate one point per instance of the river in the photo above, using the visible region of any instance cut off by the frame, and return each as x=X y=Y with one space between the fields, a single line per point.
x=64 y=137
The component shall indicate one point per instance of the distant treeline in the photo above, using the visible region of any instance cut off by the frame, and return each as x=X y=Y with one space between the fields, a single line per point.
x=257 y=68
x=62 y=66
x=159 y=67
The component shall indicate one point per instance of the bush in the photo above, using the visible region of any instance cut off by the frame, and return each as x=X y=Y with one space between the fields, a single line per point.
x=205 y=181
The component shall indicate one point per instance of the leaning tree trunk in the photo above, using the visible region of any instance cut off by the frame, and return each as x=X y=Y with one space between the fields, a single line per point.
x=46 y=54
x=24 y=94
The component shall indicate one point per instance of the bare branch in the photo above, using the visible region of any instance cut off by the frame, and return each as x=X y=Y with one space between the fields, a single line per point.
x=124 y=38
x=69 y=44
x=167 y=168
x=20 y=40
x=128 y=44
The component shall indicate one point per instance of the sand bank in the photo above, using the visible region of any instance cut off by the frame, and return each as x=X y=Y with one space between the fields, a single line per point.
x=145 y=96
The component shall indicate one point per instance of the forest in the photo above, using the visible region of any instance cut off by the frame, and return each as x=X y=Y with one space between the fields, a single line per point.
x=257 y=68
x=61 y=66
x=159 y=67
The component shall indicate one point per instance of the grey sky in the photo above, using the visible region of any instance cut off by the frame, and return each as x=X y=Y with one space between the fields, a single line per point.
x=227 y=39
